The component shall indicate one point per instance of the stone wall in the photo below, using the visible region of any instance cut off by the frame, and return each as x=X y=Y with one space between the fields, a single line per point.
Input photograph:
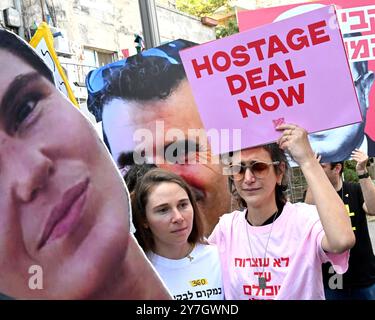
x=106 y=24
x=110 y=25
x=174 y=24
x=4 y=4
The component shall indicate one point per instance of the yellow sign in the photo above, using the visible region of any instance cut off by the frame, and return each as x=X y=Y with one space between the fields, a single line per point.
x=42 y=41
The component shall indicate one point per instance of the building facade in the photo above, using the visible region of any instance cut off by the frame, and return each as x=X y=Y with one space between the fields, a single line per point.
x=90 y=33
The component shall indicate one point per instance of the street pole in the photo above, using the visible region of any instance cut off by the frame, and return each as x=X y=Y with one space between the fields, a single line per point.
x=149 y=23
x=42 y=7
x=21 y=29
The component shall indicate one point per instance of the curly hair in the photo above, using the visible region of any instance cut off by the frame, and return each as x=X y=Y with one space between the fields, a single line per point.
x=151 y=74
x=144 y=79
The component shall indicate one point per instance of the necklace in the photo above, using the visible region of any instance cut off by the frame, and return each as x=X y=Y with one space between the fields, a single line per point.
x=261 y=277
x=189 y=256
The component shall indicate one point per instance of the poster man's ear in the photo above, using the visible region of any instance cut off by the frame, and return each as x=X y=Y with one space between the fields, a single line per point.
x=338 y=168
x=369 y=81
x=281 y=172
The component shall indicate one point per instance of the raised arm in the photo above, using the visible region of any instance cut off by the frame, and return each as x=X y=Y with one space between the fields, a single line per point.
x=367 y=186
x=308 y=198
x=336 y=223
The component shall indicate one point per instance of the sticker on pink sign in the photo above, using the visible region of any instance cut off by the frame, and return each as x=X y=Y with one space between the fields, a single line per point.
x=293 y=71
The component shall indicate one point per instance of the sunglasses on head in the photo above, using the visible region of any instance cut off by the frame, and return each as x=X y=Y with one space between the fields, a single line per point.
x=259 y=169
x=97 y=79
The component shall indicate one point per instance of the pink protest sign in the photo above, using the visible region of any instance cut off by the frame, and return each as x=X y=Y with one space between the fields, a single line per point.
x=357 y=23
x=292 y=71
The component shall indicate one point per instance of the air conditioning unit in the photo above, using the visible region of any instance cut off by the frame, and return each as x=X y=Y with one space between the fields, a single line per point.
x=12 y=17
x=61 y=42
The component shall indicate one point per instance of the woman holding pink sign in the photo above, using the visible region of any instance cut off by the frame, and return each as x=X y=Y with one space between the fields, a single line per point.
x=273 y=249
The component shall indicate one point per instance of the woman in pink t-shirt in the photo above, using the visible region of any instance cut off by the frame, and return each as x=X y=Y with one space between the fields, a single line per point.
x=274 y=249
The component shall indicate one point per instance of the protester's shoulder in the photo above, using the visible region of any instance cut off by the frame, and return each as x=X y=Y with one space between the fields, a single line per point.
x=352 y=186
x=227 y=223
x=231 y=217
x=301 y=207
x=208 y=249
x=302 y=211
x=302 y=217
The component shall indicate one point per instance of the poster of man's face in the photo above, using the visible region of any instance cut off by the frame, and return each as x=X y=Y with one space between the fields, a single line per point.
x=357 y=26
x=148 y=115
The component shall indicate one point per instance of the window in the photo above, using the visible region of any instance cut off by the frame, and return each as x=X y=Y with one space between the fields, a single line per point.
x=98 y=58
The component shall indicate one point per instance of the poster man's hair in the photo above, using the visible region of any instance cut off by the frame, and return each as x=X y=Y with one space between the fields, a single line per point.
x=152 y=74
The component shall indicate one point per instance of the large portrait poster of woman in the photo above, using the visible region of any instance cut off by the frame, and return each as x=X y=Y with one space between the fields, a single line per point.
x=65 y=216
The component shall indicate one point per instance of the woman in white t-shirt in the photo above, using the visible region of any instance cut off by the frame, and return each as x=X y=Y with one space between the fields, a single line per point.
x=169 y=229
x=274 y=249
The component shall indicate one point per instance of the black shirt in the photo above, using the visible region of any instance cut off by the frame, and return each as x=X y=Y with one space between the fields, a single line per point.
x=361 y=271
